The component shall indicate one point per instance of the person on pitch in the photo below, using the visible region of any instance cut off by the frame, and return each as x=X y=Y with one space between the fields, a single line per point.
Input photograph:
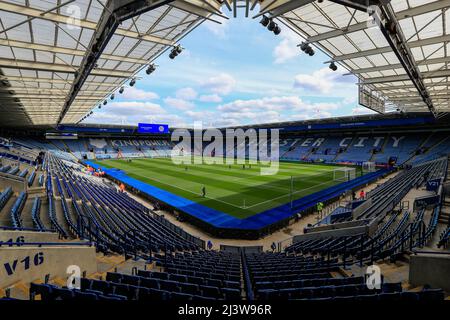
x=203 y=192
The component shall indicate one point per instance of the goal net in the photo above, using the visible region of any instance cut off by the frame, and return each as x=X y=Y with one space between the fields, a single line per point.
x=344 y=174
x=368 y=166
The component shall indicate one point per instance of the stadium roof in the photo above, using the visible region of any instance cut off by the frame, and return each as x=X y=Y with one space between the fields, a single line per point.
x=55 y=68
x=401 y=59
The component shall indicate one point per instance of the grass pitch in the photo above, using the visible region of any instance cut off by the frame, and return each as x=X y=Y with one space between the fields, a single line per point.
x=231 y=189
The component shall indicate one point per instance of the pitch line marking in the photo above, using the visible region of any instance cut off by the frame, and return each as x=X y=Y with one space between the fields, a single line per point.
x=287 y=194
x=167 y=184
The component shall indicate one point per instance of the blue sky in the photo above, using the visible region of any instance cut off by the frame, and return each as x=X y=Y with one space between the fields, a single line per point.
x=234 y=74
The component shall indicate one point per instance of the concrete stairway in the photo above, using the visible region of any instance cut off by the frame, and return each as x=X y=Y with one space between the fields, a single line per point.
x=444 y=217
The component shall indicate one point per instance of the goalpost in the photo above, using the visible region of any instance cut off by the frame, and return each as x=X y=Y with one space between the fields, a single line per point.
x=344 y=174
x=368 y=166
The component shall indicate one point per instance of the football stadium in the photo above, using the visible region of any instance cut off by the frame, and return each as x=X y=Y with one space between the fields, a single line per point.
x=111 y=190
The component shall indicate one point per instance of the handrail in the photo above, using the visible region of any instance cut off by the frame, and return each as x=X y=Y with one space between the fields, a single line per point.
x=430 y=252
x=26 y=229
x=42 y=244
x=248 y=282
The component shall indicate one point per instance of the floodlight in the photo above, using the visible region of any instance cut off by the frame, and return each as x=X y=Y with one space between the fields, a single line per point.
x=105 y=102
x=277 y=30
x=132 y=82
x=121 y=90
x=271 y=25
x=151 y=68
x=264 y=21
x=112 y=97
x=175 y=51
x=309 y=51
x=304 y=46
x=333 y=66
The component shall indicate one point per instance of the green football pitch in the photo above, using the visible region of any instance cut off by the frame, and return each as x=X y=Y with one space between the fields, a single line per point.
x=230 y=188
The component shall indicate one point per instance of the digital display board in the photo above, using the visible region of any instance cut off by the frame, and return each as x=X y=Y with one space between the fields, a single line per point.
x=153 y=128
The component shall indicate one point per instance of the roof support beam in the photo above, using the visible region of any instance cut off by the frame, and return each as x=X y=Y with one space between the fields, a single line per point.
x=50 y=91
x=436 y=93
x=279 y=7
x=430 y=7
x=412 y=44
x=360 y=5
x=52 y=67
x=425 y=75
x=390 y=27
x=200 y=8
x=117 y=11
x=399 y=66
x=53 y=49
x=410 y=86
x=52 y=97
x=53 y=81
x=418 y=99
x=57 y=18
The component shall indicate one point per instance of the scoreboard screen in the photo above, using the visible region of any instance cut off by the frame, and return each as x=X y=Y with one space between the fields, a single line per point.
x=153 y=128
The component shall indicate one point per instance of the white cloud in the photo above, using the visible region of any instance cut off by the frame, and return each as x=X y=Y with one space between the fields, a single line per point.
x=287 y=48
x=274 y=109
x=133 y=108
x=126 y=112
x=287 y=103
x=309 y=116
x=349 y=100
x=132 y=93
x=179 y=104
x=111 y=118
x=322 y=80
x=210 y=98
x=219 y=30
x=221 y=84
x=186 y=94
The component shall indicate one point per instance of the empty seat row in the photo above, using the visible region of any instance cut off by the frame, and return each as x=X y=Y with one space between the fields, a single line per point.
x=16 y=210
x=5 y=196
x=429 y=295
x=308 y=283
x=166 y=289
x=326 y=291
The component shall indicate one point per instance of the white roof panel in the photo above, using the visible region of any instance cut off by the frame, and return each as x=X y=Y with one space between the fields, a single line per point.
x=363 y=49
x=43 y=49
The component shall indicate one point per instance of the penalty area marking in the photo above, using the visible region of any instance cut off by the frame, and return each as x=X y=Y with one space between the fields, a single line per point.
x=287 y=194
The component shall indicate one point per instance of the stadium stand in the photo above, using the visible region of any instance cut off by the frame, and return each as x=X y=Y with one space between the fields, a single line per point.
x=77 y=205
